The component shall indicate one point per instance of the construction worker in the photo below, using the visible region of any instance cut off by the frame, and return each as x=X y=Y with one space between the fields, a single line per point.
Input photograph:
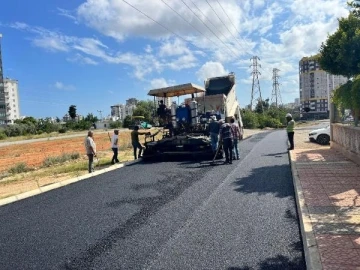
x=90 y=147
x=135 y=141
x=237 y=137
x=290 y=130
x=226 y=136
x=214 y=129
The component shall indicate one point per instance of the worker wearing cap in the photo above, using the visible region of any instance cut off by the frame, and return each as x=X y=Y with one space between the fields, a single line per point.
x=290 y=130
x=214 y=129
x=226 y=135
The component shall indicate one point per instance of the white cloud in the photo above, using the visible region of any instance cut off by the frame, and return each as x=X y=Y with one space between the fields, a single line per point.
x=80 y=59
x=158 y=83
x=68 y=14
x=173 y=47
x=62 y=86
x=211 y=69
x=148 y=48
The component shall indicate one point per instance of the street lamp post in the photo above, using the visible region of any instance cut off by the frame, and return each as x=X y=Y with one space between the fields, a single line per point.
x=99 y=111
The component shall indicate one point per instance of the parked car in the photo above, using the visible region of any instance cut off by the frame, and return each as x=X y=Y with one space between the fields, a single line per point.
x=321 y=136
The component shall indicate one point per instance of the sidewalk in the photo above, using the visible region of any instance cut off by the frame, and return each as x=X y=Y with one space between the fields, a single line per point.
x=327 y=187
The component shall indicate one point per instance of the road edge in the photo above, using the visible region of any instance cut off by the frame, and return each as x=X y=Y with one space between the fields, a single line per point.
x=311 y=251
x=63 y=183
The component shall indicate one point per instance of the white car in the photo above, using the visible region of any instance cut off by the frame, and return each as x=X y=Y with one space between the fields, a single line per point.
x=321 y=136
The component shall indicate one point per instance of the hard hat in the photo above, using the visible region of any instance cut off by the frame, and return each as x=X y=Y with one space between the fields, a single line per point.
x=213 y=117
x=288 y=115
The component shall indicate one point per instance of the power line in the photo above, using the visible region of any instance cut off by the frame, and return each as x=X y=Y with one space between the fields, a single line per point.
x=186 y=20
x=207 y=25
x=201 y=33
x=233 y=25
x=147 y=16
x=225 y=25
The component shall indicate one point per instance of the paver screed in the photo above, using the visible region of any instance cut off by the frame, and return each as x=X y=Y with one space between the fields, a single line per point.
x=330 y=185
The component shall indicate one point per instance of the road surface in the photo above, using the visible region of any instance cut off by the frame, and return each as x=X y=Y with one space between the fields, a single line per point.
x=169 y=215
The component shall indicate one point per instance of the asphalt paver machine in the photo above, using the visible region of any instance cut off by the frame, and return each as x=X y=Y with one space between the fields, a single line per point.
x=184 y=131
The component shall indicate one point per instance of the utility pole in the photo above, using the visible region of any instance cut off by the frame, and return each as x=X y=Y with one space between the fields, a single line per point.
x=99 y=111
x=255 y=89
x=275 y=96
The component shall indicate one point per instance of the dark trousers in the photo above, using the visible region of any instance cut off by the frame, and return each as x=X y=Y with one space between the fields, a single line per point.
x=91 y=163
x=137 y=145
x=291 y=139
x=228 y=146
x=115 y=155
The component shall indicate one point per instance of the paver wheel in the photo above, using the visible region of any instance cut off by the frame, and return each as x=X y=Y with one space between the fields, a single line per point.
x=323 y=139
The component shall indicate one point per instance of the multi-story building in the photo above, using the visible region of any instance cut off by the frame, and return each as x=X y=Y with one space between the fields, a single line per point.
x=316 y=86
x=2 y=92
x=11 y=100
x=167 y=101
x=131 y=101
x=120 y=111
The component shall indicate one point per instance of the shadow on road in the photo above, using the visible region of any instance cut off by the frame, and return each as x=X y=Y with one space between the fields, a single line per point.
x=279 y=262
x=273 y=179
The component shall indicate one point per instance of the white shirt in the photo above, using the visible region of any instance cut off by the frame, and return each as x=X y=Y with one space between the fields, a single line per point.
x=114 y=141
x=89 y=142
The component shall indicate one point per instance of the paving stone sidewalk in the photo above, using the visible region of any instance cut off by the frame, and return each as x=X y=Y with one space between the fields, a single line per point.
x=328 y=186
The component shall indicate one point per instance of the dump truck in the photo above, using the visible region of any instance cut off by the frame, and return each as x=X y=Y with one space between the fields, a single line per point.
x=220 y=99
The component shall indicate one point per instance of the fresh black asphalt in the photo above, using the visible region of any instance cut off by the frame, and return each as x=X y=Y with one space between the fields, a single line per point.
x=168 y=215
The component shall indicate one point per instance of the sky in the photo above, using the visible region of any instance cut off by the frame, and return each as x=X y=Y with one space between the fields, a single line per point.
x=98 y=53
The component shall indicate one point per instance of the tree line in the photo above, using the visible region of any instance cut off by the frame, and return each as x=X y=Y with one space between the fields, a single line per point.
x=340 y=55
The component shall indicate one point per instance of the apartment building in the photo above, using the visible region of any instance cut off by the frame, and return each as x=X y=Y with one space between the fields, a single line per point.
x=167 y=101
x=11 y=91
x=120 y=111
x=316 y=86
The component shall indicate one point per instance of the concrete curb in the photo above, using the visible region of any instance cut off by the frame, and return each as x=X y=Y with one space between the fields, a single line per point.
x=63 y=183
x=311 y=252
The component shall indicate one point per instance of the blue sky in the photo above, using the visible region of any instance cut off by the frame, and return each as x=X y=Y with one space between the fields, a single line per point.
x=98 y=53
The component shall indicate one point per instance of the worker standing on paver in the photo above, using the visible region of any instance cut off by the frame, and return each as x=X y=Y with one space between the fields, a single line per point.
x=135 y=141
x=115 y=146
x=214 y=128
x=290 y=130
x=90 y=147
x=226 y=136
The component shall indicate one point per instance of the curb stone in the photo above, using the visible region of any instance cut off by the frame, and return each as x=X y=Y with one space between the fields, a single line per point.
x=63 y=183
x=311 y=251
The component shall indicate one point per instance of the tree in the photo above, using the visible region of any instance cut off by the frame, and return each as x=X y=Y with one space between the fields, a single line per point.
x=340 y=53
x=340 y=56
x=145 y=108
x=91 y=118
x=348 y=96
x=262 y=106
x=127 y=121
x=356 y=7
x=72 y=111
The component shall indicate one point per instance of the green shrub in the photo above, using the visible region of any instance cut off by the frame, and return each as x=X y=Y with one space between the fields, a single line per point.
x=115 y=124
x=63 y=130
x=19 y=168
x=250 y=119
x=2 y=135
